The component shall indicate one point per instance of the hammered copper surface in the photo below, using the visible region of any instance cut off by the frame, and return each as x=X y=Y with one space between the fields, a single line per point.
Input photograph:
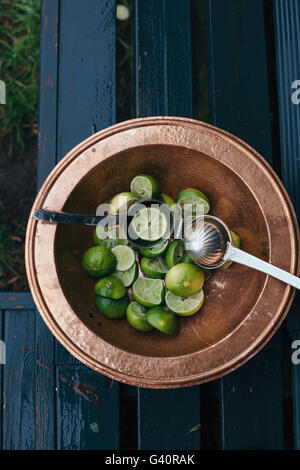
x=242 y=308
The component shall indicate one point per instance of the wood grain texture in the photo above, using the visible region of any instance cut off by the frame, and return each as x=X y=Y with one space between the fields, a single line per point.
x=16 y=300
x=18 y=384
x=238 y=71
x=164 y=87
x=45 y=383
x=240 y=104
x=287 y=40
x=87 y=410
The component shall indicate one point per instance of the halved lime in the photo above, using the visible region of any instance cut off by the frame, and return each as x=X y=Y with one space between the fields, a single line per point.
x=149 y=224
x=125 y=257
x=185 y=306
x=162 y=320
x=155 y=268
x=171 y=203
x=136 y=316
x=145 y=187
x=148 y=292
x=156 y=250
x=99 y=261
x=111 y=287
x=237 y=243
x=184 y=279
x=109 y=236
x=120 y=202
x=112 y=308
x=193 y=202
x=175 y=253
x=128 y=277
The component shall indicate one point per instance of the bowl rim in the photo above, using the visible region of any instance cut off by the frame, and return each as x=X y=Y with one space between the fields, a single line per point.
x=110 y=368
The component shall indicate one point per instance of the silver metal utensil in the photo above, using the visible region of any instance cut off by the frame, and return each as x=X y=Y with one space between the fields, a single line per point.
x=208 y=242
x=111 y=220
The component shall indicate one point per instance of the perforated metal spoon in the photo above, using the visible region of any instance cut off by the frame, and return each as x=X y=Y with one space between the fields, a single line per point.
x=208 y=242
x=111 y=220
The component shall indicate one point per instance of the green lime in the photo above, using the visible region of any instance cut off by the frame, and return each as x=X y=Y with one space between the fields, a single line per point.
x=237 y=243
x=128 y=277
x=193 y=202
x=175 y=253
x=162 y=320
x=112 y=308
x=145 y=187
x=184 y=279
x=136 y=316
x=155 y=268
x=171 y=203
x=109 y=236
x=125 y=257
x=185 y=306
x=99 y=261
x=149 y=224
x=121 y=202
x=111 y=287
x=156 y=250
x=186 y=259
x=148 y=292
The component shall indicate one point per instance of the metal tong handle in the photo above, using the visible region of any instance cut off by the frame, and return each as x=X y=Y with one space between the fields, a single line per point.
x=239 y=256
x=67 y=218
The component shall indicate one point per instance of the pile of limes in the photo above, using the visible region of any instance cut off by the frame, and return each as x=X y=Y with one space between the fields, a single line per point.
x=169 y=285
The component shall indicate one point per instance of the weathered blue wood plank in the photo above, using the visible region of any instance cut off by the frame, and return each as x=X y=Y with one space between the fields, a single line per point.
x=249 y=422
x=87 y=410
x=162 y=88
x=169 y=419
x=86 y=93
x=238 y=71
x=18 y=384
x=240 y=104
x=16 y=300
x=45 y=385
x=287 y=39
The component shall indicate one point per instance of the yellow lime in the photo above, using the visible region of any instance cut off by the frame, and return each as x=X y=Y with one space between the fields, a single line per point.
x=184 y=279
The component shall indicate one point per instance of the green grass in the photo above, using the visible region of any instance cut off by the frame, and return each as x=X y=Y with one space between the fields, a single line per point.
x=19 y=66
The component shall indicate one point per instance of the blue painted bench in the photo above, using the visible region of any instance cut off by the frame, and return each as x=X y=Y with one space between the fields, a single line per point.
x=248 y=53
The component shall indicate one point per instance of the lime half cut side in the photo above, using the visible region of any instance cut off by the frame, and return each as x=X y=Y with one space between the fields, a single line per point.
x=148 y=292
x=185 y=306
x=109 y=236
x=149 y=224
x=145 y=187
x=125 y=257
x=155 y=268
x=128 y=277
x=193 y=202
x=156 y=250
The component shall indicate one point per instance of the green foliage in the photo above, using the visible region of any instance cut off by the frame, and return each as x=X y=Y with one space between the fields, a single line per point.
x=19 y=67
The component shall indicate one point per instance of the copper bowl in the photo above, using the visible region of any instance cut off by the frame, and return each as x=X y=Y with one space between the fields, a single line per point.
x=243 y=308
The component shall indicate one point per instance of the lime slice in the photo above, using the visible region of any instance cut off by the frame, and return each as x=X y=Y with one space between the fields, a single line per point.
x=155 y=268
x=110 y=287
x=112 y=308
x=121 y=202
x=185 y=306
x=148 y=292
x=175 y=253
x=164 y=321
x=136 y=316
x=145 y=187
x=237 y=243
x=128 y=277
x=171 y=203
x=99 y=261
x=109 y=236
x=156 y=250
x=184 y=279
x=193 y=202
x=149 y=224
x=125 y=257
